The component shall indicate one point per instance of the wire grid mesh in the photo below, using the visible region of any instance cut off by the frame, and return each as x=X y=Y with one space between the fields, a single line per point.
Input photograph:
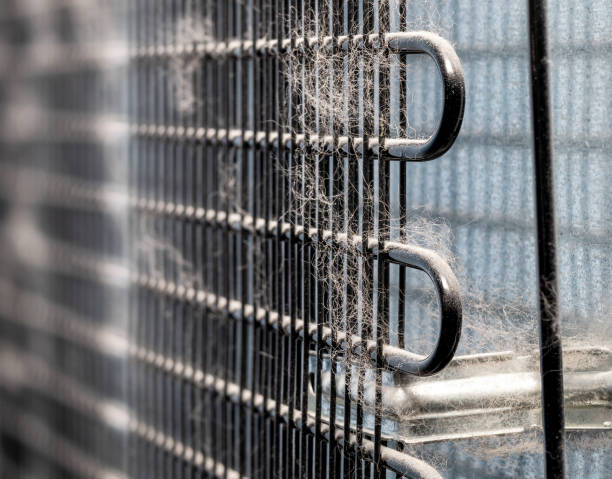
x=245 y=333
x=235 y=337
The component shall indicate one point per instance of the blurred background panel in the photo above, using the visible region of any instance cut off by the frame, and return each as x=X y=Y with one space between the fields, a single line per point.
x=63 y=280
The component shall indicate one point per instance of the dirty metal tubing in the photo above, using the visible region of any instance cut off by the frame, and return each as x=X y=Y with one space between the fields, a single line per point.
x=448 y=290
x=453 y=82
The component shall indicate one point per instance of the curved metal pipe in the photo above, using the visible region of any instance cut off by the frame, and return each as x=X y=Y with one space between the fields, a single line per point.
x=448 y=290
x=451 y=72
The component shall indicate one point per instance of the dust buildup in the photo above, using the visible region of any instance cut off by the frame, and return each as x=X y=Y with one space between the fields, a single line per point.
x=335 y=91
x=190 y=34
x=334 y=80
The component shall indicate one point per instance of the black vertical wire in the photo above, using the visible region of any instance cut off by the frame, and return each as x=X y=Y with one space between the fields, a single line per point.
x=136 y=185
x=382 y=265
x=366 y=225
x=296 y=280
x=170 y=242
x=223 y=164
x=233 y=414
x=351 y=179
x=201 y=243
x=215 y=278
x=150 y=115
x=180 y=323
x=305 y=456
x=167 y=313
x=150 y=222
x=164 y=175
x=210 y=122
x=551 y=359
x=224 y=171
x=277 y=248
x=133 y=218
x=282 y=246
x=285 y=218
x=246 y=330
x=274 y=246
x=135 y=221
x=254 y=250
x=179 y=240
x=190 y=204
x=293 y=279
x=161 y=260
x=266 y=104
x=170 y=274
x=133 y=291
x=186 y=353
x=403 y=128
x=333 y=185
x=195 y=320
x=326 y=165
x=319 y=289
x=260 y=465
x=288 y=236
x=228 y=163
x=311 y=160
x=286 y=250
x=253 y=256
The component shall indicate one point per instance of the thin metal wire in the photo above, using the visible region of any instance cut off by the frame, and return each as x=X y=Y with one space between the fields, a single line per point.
x=551 y=355
x=261 y=297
